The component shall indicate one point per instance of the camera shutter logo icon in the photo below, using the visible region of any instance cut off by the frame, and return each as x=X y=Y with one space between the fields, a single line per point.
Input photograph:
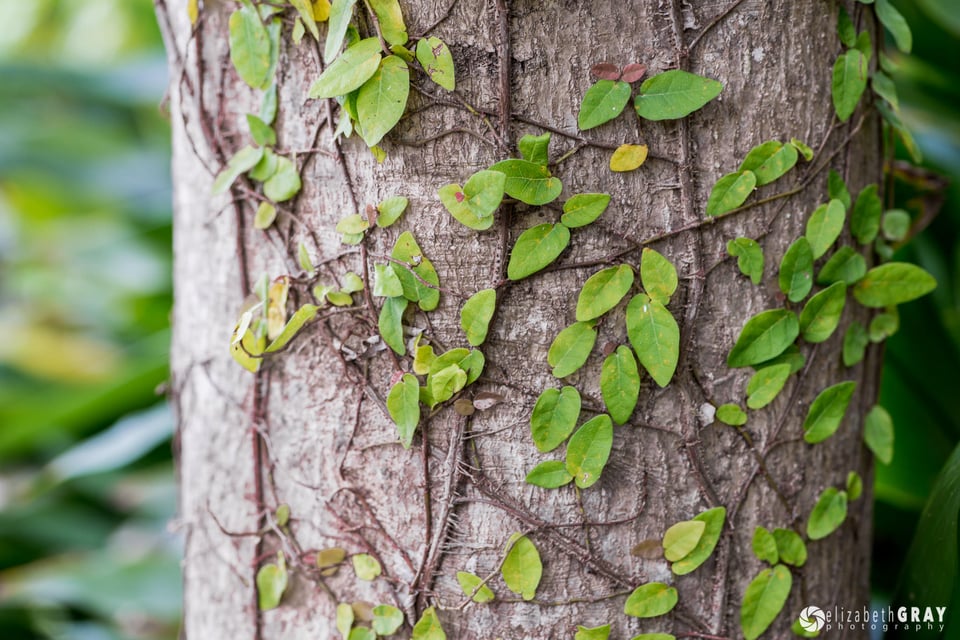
x=812 y=619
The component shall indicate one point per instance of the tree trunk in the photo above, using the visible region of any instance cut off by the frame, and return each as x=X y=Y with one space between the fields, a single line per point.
x=309 y=429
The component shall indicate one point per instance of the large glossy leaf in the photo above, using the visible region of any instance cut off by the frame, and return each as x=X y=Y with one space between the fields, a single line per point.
x=348 y=72
x=796 y=270
x=529 y=182
x=476 y=315
x=828 y=514
x=824 y=226
x=250 y=46
x=536 y=248
x=821 y=314
x=658 y=275
x=473 y=204
x=522 y=567
x=588 y=450
x=674 y=94
x=571 y=348
x=554 y=417
x=382 y=99
x=849 y=81
x=434 y=56
x=651 y=600
x=603 y=291
x=764 y=599
x=403 y=404
x=765 y=336
x=714 y=519
x=827 y=411
x=655 y=337
x=893 y=283
x=770 y=161
x=620 y=384
x=603 y=102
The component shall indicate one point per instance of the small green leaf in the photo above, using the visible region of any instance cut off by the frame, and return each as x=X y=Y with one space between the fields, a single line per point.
x=266 y=214
x=536 y=248
x=790 y=356
x=828 y=514
x=595 y=633
x=350 y=71
x=301 y=316
x=403 y=403
x=883 y=325
x=476 y=315
x=655 y=337
x=550 y=474
x=796 y=270
x=791 y=547
x=344 y=619
x=340 y=13
x=250 y=46
x=522 y=567
x=893 y=283
x=765 y=385
x=391 y=23
x=658 y=275
x=391 y=323
x=804 y=149
x=588 y=450
x=884 y=87
x=386 y=619
x=895 y=225
x=554 y=417
x=390 y=210
x=386 y=283
x=846 y=266
x=769 y=161
x=855 y=342
x=366 y=566
x=535 y=148
x=241 y=162
x=824 y=226
x=651 y=600
x=827 y=411
x=382 y=99
x=434 y=56
x=528 y=182
x=473 y=204
x=714 y=519
x=849 y=81
x=583 y=208
x=854 y=485
x=765 y=336
x=620 y=384
x=442 y=384
x=603 y=291
x=262 y=133
x=362 y=633
x=845 y=29
x=285 y=181
x=731 y=191
x=428 y=627
x=571 y=348
x=821 y=314
x=271 y=583
x=878 y=434
x=603 y=102
x=837 y=189
x=732 y=415
x=423 y=359
x=267 y=166
x=894 y=21
x=749 y=256
x=682 y=538
x=765 y=546
x=764 y=599
x=474 y=587
x=421 y=288
x=674 y=94
x=865 y=218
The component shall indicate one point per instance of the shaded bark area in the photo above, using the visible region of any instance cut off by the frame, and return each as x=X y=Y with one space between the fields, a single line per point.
x=310 y=429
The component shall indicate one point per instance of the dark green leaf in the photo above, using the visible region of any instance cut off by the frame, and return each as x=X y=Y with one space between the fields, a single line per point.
x=655 y=337
x=549 y=475
x=894 y=21
x=765 y=385
x=714 y=519
x=403 y=403
x=764 y=599
x=893 y=283
x=674 y=94
x=845 y=29
x=765 y=546
x=878 y=434
x=828 y=514
x=382 y=99
x=583 y=208
x=796 y=270
x=348 y=72
x=522 y=567
x=603 y=102
x=571 y=348
x=391 y=323
x=849 y=82
x=821 y=314
x=603 y=291
x=854 y=485
x=846 y=266
x=749 y=256
x=528 y=182
x=865 y=219
x=855 y=342
x=536 y=248
x=827 y=411
x=824 y=226
x=589 y=449
x=731 y=191
x=765 y=336
x=554 y=417
x=620 y=384
x=658 y=275
x=651 y=600
x=837 y=189
x=769 y=161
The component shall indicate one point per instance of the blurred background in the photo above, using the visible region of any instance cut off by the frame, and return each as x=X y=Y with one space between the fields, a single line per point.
x=87 y=487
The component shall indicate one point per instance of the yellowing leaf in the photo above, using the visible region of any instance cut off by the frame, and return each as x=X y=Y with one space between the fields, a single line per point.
x=628 y=157
x=321 y=10
x=682 y=538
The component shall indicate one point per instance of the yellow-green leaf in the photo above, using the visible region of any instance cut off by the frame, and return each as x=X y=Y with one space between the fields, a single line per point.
x=828 y=514
x=390 y=210
x=350 y=71
x=594 y=633
x=790 y=547
x=382 y=99
x=571 y=348
x=682 y=538
x=434 y=56
x=764 y=599
x=770 y=161
x=730 y=191
x=391 y=21
x=366 y=566
x=714 y=519
x=878 y=434
x=473 y=204
x=528 y=182
x=620 y=384
x=522 y=567
x=766 y=384
x=250 y=46
x=554 y=417
x=765 y=545
x=824 y=226
x=428 y=627
x=749 y=256
x=658 y=275
x=550 y=474
x=390 y=323
x=628 y=157
x=603 y=102
x=386 y=619
x=655 y=337
x=271 y=583
x=589 y=449
x=583 y=208
x=340 y=13
x=765 y=336
x=732 y=415
x=403 y=403
x=536 y=248
x=241 y=162
x=651 y=600
x=301 y=316
x=473 y=587
x=285 y=181
x=305 y=9
x=422 y=288
x=603 y=291
x=476 y=315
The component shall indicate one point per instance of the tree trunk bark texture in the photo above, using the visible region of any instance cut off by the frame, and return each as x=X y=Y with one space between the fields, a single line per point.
x=309 y=430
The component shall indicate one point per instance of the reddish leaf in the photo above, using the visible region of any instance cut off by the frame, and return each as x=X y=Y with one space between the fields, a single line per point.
x=633 y=72
x=459 y=196
x=606 y=71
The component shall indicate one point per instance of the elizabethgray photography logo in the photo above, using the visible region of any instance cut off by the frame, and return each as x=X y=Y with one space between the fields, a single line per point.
x=814 y=619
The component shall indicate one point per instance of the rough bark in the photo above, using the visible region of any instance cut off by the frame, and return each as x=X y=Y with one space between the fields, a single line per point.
x=309 y=430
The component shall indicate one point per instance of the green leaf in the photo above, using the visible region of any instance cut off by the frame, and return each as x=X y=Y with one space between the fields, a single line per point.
x=682 y=538
x=473 y=204
x=428 y=627
x=250 y=46
x=348 y=72
x=714 y=519
x=535 y=149
x=849 y=82
x=765 y=546
x=603 y=102
x=473 y=586
x=651 y=600
x=366 y=566
x=603 y=291
x=407 y=251
x=674 y=94
x=362 y=633
x=655 y=636
x=391 y=22
x=893 y=283
x=791 y=547
x=595 y=633
x=267 y=166
x=434 y=56
x=262 y=133
x=765 y=385
x=865 y=218
x=390 y=210
x=583 y=208
x=895 y=225
x=824 y=226
x=837 y=189
x=846 y=266
x=828 y=514
x=451 y=357
x=769 y=161
x=884 y=325
x=620 y=384
x=658 y=275
x=444 y=383
x=803 y=149
x=403 y=403
x=796 y=270
x=884 y=87
x=855 y=342
x=827 y=411
x=266 y=214
x=284 y=183
x=589 y=449
x=554 y=417
x=528 y=182
x=241 y=162
x=423 y=359
x=749 y=256
x=476 y=315
x=550 y=474
x=732 y=415
x=386 y=619
x=271 y=583
x=340 y=13
x=764 y=599
x=473 y=364
x=245 y=350
x=571 y=348
x=845 y=29
x=344 y=619
x=628 y=157
x=765 y=336
x=522 y=568
x=536 y=248
x=655 y=337
x=354 y=223
x=821 y=314
x=854 y=485
x=790 y=356
x=301 y=316
x=391 y=323
x=894 y=21
x=731 y=191
x=878 y=434
x=382 y=99
x=386 y=283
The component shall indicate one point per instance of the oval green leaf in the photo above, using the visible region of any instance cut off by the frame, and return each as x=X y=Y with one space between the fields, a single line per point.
x=655 y=337
x=824 y=226
x=893 y=283
x=732 y=415
x=473 y=204
x=382 y=99
x=714 y=519
x=403 y=404
x=603 y=291
x=522 y=568
x=536 y=248
x=390 y=18
x=271 y=583
x=764 y=545
x=422 y=289
x=796 y=270
x=821 y=314
x=594 y=633
x=250 y=46
x=827 y=411
x=791 y=547
x=535 y=148
x=730 y=191
x=434 y=56
x=588 y=450
x=603 y=102
x=674 y=94
x=770 y=161
x=340 y=13
x=348 y=72
x=583 y=208
x=390 y=210
x=855 y=342
x=620 y=384
x=476 y=315
x=682 y=538
x=550 y=474
x=846 y=266
x=386 y=619
x=658 y=275
x=554 y=417
x=849 y=81
x=366 y=566
x=766 y=384
x=878 y=434
x=529 y=182
x=428 y=627
x=828 y=514
x=764 y=599
x=765 y=336
x=473 y=587
x=241 y=162
x=651 y=600
x=865 y=218
x=390 y=323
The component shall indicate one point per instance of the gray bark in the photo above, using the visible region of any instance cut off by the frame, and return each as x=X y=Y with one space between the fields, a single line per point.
x=309 y=429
